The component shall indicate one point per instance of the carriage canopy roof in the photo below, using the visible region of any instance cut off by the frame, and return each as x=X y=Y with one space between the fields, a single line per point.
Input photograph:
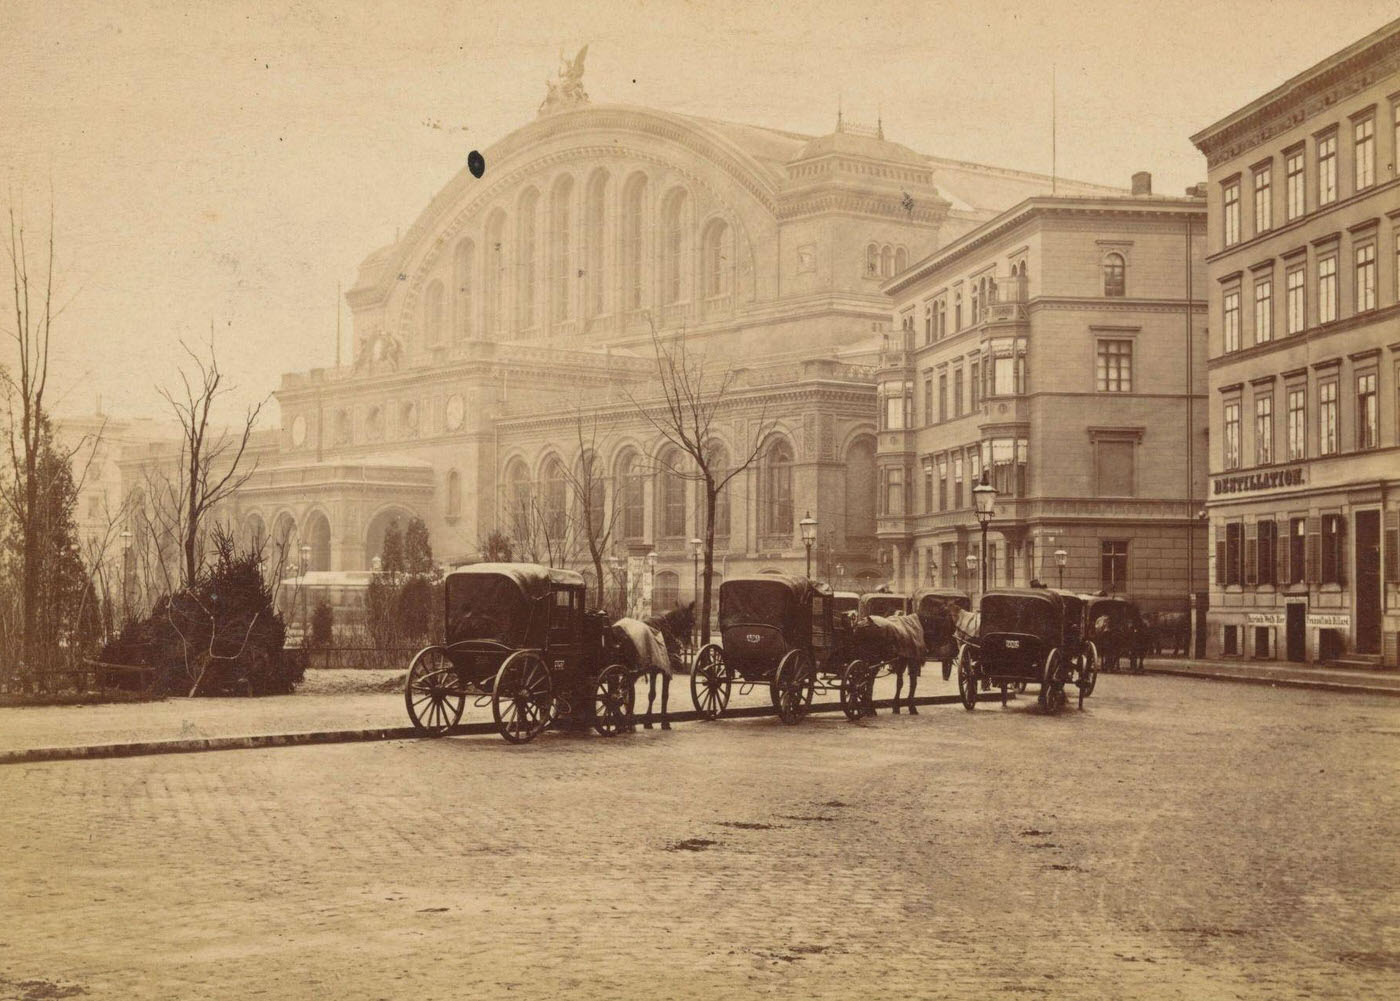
x=774 y=599
x=532 y=579
x=1031 y=611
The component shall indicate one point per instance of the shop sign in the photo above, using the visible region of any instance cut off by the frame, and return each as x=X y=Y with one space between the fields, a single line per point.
x=1264 y=618
x=1268 y=480
x=1329 y=620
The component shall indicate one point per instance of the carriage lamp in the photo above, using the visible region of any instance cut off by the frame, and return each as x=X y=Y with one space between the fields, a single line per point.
x=1061 y=558
x=984 y=498
x=808 y=524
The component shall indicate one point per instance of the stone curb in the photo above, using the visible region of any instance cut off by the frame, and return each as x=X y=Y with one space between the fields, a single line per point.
x=32 y=755
x=1276 y=682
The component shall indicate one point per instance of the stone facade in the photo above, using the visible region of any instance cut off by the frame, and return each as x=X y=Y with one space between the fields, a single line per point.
x=1304 y=364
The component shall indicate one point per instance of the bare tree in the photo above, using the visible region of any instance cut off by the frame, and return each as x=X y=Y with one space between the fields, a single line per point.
x=693 y=394
x=209 y=468
x=593 y=519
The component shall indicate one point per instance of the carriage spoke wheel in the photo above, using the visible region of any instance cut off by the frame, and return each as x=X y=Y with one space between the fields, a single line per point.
x=1088 y=673
x=857 y=690
x=709 y=682
x=522 y=696
x=433 y=693
x=613 y=697
x=967 y=679
x=792 y=687
x=1052 y=686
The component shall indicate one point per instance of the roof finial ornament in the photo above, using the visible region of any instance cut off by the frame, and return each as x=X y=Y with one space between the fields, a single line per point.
x=567 y=92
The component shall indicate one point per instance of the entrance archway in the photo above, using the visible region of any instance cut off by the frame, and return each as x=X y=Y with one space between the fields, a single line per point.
x=378 y=525
x=317 y=535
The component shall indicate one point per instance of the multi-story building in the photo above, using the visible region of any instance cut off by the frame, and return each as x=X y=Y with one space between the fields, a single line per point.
x=1304 y=265
x=1059 y=349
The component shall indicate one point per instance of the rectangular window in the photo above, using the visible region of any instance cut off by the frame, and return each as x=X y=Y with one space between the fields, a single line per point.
x=894 y=491
x=928 y=489
x=974 y=386
x=1365 y=277
x=1268 y=552
x=943 y=482
x=928 y=401
x=1327 y=289
x=1297 y=198
x=1263 y=310
x=1230 y=326
x=1334 y=563
x=958 y=393
x=1264 y=430
x=1232 y=436
x=1364 y=148
x=1367 y=413
x=928 y=323
x=1327 y=169
x=1114 y=566
x=1297 y=424
x=1297 y=550
x=957 y=479
x=1231 y=217
x=1296 y=300
x=1234 y=546
x=1264 y=199
x=1327 y=418
x=1114 y=367
x=1114 y=473
x=943 y=397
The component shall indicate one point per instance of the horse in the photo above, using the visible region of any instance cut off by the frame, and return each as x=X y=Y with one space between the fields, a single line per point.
x=897 y=640
x=645 y=657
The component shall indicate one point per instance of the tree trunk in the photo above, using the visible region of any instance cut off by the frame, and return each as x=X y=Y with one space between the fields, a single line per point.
x=710 y=493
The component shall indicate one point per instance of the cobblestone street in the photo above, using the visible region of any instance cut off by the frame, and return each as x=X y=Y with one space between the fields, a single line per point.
x=1178 y=839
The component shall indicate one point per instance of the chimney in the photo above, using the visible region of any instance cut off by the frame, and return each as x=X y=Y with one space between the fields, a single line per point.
x=1142 y=183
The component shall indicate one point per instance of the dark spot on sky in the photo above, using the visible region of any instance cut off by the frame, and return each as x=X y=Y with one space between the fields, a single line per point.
x=476 y=163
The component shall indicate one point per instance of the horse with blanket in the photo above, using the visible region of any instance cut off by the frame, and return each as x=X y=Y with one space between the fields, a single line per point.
x=893 y=640
x=655 y=647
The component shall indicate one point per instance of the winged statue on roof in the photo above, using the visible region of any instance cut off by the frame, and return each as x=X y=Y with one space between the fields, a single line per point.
x=567 y=91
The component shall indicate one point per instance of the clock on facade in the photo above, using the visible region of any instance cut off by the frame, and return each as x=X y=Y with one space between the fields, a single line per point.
x=455 y=411
x=299 y=431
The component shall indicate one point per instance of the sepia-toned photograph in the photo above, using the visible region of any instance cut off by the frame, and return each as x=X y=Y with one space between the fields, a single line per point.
x=657 y=499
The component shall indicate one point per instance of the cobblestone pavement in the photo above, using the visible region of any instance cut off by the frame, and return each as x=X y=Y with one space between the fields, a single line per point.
x=1178 y=839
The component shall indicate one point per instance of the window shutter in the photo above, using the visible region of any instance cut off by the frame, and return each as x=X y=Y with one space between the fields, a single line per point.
x=1283 y=574
x=1220 y=561
x=1341 y=542
x=1392 y=543
x=1251 y=555
x=1314 y=551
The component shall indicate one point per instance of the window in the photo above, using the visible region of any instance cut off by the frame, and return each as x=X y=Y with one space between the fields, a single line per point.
x=941 y=319
x=1264 y=430
x=1268 y=552
x=495 y=272
x=958 y=392
x=1297 y=424
x=1296 y=300
x=886 y=261
x=632 y=212
x=673 y=264
x=957 y=310
x=525 y=261
x=973 y=384
x=976 y=305
x=942 y=462
x=463 y=264
x=1297 y=550
x=1327 y=418
x=1367 y=415
x=561 y=271
x=1365 y=277
x=928 y=323
x=928 y=401
x=776 y=486
x=1114 y=563
x=894 y=491
x=1231 y=216
x=631 y=487
x=1263 y=310
x=1334 y=562
x=593 y=238
x=714 y=259
x=556 y=487
x=957 y=479
x=1364 y=149
x=1232 y=436
x=928 y=487
x=1114 y=472
x=1230 y=326
x=671 y=497
x=1327 y=169
x=942 y=396
x=1114 y=368
x=1327 y=289
x=1264 y=199
x=1234 y=545
x=1297 y=198
x=1006 y=458
x=1113 y=275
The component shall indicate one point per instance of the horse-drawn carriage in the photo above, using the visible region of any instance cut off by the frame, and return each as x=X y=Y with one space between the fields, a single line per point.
x=935 y=607
x=1117 y=630
x=778 y=630
x=1034 y=635
x=883 y=603
x=519 y=638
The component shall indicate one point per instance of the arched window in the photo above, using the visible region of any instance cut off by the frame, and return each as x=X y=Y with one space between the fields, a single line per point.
x=633 y=212
x=517 y=500
x=977 y=291
x=901 y=260
x=673 y=248
x=775 y=489
x=886 y=261
x=342 y=427
x=463 y=261
x=670 y=497
x=526 y=262
x=957 y=310
x=255 y=532
x=665 y=591
x=714 y=263
x=861 y=486
x=872 y=260
x=318 y=536
x=593 y=236
x=454 y=494
x=495 y=272
x=561 y=230
x=1114 y=275
x=629 y=493
x=433 y=314
x=555 y=489
x=593 y=495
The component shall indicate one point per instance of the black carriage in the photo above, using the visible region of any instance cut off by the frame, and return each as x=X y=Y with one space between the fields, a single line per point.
x=844 y=602
x=776 y=630
x=883 y=603
x=1033 y=636
x=519 y=638
x=1116 y=629
x=932 y=604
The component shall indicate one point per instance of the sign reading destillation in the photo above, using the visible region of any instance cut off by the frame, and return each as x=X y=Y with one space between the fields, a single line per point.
x=1259 y=481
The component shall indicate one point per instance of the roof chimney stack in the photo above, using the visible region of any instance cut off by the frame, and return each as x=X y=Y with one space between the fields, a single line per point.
x=1142 y=183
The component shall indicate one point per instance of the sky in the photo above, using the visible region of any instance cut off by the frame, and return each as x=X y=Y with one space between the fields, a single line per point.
x=226 y=164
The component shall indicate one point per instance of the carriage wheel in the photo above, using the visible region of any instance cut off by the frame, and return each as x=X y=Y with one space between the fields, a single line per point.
x=792 y=687
x=1052 y=688
x=967 y=679
x=433 y=693
x=709 y=682
x=1089 y=673
x=613 y=697
x=857 y=690
x=522 y=697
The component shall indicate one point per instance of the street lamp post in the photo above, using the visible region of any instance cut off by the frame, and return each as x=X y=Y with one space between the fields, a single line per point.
x=305 y=598
x=809 y=535
x=615 y=565
x=126 y=562
x=1061 y=558
x=696 y=546
x=651 y=584
x=984 y=498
